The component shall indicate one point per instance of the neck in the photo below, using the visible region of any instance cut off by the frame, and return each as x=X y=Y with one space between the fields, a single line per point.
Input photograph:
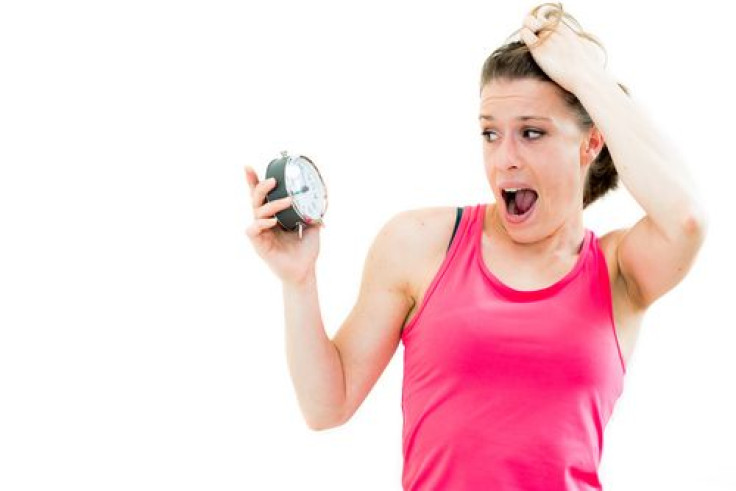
x=564 y=241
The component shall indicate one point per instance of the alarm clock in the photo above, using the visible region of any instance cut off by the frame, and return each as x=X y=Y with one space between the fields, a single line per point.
x=298 y=177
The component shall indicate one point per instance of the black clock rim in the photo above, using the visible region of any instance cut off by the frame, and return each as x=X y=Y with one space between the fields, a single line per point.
x=290 y=217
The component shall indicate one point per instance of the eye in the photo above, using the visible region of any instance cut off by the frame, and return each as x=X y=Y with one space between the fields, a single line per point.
x=532 y=130
x=526 y=131
x=487 y=135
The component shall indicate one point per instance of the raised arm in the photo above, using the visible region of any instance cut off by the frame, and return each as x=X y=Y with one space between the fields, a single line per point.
x=656 y=253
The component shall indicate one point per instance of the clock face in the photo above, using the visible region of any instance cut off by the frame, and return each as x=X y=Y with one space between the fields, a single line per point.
x=305 y=185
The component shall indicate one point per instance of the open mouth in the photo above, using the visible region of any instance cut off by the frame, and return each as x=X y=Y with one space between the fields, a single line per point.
x=519 y=201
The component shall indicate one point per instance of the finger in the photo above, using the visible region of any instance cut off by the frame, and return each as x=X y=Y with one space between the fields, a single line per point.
x=533 y=23
x=547 y=12
x=258 y=226
x=528 y=36
x=251 y=177
x=261 y=190
x=270 y=209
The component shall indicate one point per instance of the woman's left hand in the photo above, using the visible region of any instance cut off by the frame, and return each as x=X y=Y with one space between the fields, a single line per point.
x=565 y=56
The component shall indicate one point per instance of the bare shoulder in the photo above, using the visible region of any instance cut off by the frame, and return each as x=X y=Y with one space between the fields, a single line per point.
x=407 y=241
x=428 y=225
x=423 y=232
x=422 y=238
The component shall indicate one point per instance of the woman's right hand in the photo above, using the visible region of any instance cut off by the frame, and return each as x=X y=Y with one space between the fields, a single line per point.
x=290 y=258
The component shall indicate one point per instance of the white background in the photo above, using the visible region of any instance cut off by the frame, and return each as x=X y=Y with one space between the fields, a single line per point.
x=142 y=339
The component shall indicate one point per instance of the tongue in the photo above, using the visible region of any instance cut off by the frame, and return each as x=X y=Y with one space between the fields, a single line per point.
x=524 y=200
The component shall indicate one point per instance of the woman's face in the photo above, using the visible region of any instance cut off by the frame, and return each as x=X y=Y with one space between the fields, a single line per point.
x=531 y=140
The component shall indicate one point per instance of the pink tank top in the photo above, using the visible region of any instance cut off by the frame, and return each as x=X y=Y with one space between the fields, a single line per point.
x=506 y=389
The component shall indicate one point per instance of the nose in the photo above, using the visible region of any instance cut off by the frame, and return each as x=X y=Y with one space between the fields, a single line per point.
x=506 y=154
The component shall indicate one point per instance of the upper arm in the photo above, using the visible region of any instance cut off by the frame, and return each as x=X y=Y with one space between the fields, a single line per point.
x=368 y=338
x=652 y=262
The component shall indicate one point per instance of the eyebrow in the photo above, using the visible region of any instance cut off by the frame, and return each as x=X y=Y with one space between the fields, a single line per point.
x=520 y=118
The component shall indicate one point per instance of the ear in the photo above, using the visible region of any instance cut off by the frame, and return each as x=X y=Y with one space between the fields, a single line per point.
x=591 y=146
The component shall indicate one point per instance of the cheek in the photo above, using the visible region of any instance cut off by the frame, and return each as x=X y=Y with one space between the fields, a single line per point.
x=488 y=167
x=560 y=185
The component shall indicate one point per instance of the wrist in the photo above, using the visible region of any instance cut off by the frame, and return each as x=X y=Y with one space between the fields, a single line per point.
x=591 y=82
x=308 y=281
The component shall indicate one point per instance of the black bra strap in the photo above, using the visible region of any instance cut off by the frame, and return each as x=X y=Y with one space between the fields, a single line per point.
x=457 y=222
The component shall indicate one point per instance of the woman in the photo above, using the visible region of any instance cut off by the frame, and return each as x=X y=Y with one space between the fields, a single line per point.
x=517 y=334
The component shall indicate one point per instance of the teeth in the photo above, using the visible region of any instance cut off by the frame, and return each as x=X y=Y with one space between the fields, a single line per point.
x=512 y=190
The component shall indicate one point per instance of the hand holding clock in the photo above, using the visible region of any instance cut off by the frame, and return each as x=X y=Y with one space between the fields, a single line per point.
x=292 y=259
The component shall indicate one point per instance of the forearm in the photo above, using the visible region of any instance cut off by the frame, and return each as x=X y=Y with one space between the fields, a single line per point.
x=647 y=164
x=314 y=362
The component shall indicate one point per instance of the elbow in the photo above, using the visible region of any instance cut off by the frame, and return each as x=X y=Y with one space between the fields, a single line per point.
x=324 y=424
x=321 y=426
x=315 y=425
x=696 y=223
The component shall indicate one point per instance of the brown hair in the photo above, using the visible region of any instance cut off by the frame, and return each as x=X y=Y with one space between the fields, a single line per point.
x=514 y=61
